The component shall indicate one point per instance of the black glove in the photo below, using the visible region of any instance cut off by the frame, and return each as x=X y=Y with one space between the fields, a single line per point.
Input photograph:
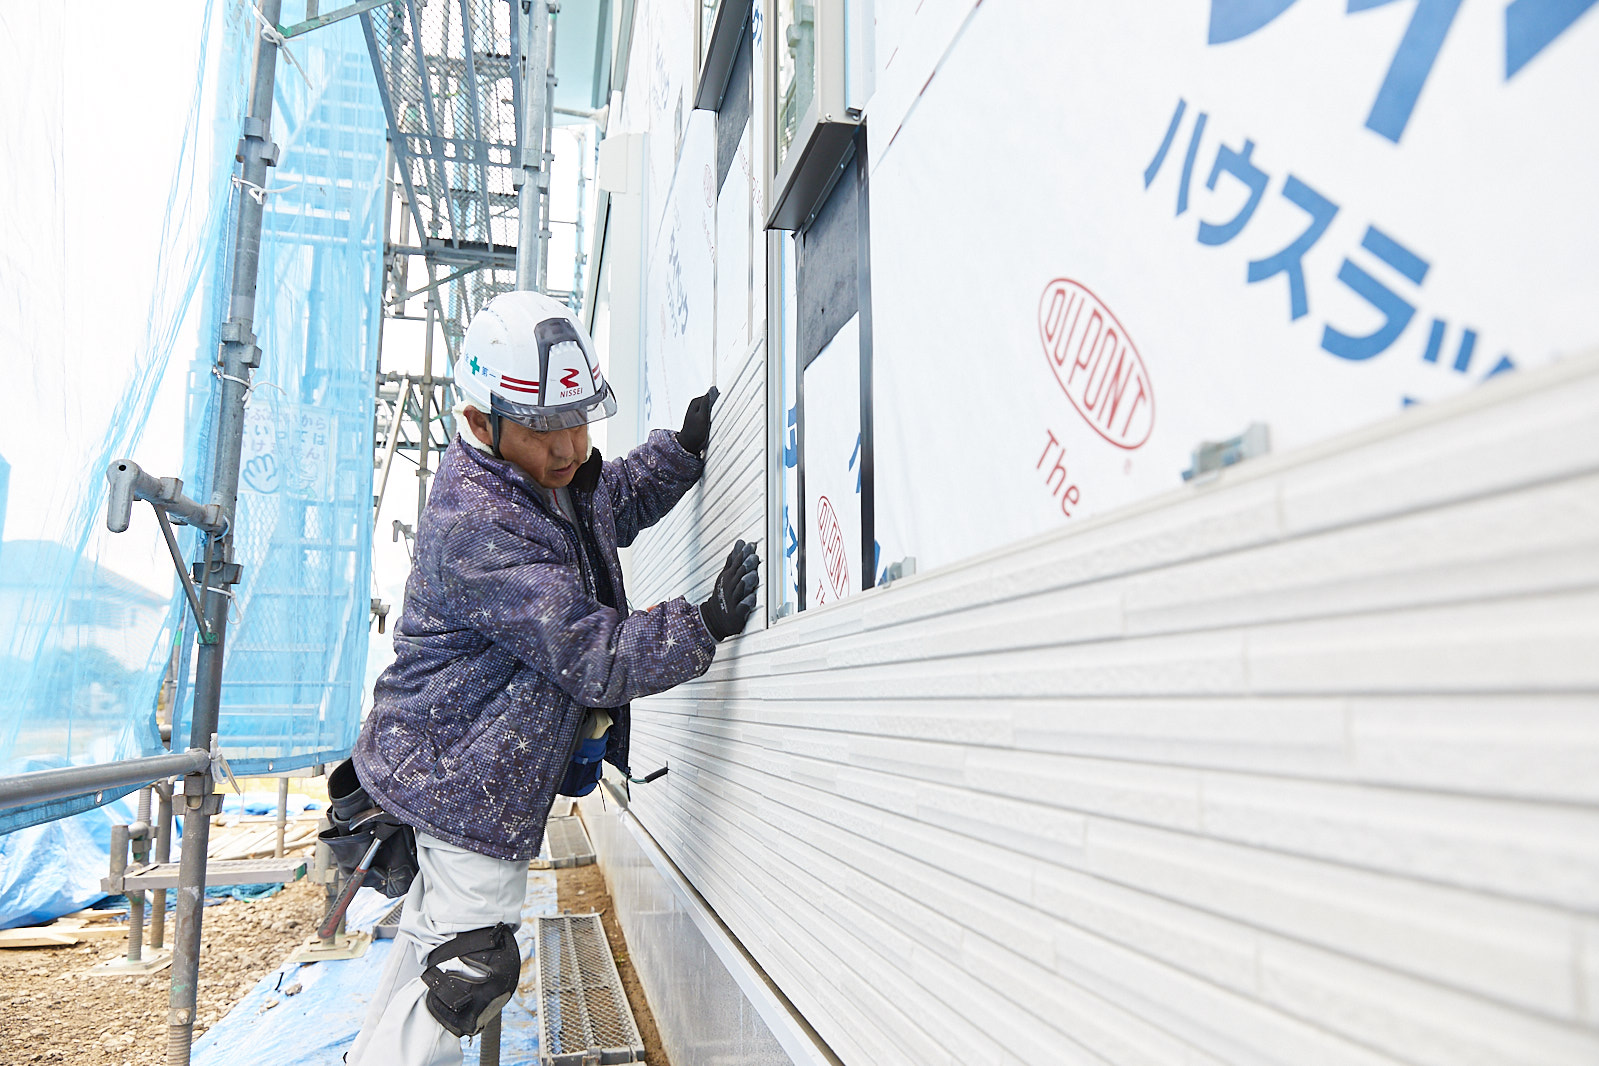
x=733 y=598
x=696 y=429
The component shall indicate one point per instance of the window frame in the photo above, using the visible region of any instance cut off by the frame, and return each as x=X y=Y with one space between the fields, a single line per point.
x=803 y=177
x=854 y=168
x=714 y=59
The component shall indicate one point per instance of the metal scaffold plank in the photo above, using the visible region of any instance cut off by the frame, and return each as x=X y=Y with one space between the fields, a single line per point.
x=584 y=1015
x=566 y=843
x=217 y=872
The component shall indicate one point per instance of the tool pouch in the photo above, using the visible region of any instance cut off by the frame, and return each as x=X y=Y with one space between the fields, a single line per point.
x=583 y=772
x=357 y=821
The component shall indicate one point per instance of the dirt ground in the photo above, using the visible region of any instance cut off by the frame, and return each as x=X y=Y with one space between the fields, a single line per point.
x=50 y=1014
x=581 y=889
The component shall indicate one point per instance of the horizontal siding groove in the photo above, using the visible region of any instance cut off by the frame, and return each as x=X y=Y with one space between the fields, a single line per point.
x=1583 y=566
x=800 y=872
x=1176 y=803
x=994 y=737
x=925 y=874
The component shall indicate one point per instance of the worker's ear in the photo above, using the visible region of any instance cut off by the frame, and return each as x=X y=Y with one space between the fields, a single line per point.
x=479 y=423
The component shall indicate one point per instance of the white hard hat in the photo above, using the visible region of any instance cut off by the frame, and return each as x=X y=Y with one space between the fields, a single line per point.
x=527 y=358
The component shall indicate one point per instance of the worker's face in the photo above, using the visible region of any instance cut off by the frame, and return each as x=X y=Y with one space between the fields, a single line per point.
x=548 y=458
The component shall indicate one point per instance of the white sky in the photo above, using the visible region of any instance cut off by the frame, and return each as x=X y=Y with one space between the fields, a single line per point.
x=90 y=128
x=92 y=117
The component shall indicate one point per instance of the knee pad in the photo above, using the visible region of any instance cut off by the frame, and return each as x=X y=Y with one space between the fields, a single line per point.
x=467 y=996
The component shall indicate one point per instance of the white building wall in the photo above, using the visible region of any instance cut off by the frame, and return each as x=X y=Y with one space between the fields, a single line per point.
x=1299 y=764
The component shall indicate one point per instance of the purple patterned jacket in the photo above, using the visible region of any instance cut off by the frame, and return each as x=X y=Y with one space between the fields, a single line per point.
x=506 y=640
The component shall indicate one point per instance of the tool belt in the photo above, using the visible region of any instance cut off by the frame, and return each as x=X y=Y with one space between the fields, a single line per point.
x=588 y=755
x=356 y=822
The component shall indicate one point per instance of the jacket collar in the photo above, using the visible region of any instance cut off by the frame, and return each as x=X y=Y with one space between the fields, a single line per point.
x=588 y=475
x=584 y=481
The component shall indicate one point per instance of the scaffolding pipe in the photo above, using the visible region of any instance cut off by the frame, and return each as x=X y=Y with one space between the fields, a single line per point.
x=394 y=442
x=535 y=78
x=283 y=816
x=239 y=356
x=163 y=853
x=425 y=396
x=548 y=157
x=43 y=786
x=139 y=837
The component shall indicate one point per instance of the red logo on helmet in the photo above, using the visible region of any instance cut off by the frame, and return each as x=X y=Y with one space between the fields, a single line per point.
x=570 y=380
x=1096 y=364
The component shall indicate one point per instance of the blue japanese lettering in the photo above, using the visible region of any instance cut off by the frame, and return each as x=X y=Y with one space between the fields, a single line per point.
x=1165 y=144
x=1395 y=310
x=1411 y=65
x=1239 y=166
x=1188 y=163
x=1290 y=260
x=1533 y=25
x=1232 y=19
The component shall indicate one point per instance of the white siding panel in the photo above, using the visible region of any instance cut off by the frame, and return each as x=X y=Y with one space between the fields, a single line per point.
x=1515 y=952
x=1411 y=1020
x=1269 y=771
x=1587 y=973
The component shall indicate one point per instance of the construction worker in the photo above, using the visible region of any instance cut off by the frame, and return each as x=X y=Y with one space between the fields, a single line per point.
x=516 y=658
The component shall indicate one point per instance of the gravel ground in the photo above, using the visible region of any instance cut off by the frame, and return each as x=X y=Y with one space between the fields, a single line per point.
x=50 y=1014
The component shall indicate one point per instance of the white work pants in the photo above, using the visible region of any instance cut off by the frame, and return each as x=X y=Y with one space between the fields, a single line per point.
x=455 y=890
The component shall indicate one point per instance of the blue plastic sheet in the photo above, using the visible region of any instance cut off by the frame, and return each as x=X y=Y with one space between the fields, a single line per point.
x=317 y=1023
x=54 y=869
x=258 y=803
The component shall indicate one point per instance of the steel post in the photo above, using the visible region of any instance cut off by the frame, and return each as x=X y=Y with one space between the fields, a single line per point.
x=139 y=835
x=547 y=158
x=283 y=816
x=535 y=79
x=489 y=1043
x=425 y=395
x=393 y=443
x=238 y=357
x=163 y=853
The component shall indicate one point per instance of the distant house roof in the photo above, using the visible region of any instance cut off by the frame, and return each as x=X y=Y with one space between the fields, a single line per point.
x=27 y=563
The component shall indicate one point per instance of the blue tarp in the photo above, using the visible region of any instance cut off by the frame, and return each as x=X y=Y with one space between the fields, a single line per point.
x=54 y=869
x=317 y=1023
x=253 y=802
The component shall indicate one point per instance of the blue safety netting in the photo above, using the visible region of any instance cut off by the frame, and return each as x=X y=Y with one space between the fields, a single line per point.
x=296 y=646
x=115 y=248
x=100 y=266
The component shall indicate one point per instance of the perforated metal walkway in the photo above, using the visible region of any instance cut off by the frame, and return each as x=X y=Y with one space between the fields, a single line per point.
x=566 y=843
x=583 y=1012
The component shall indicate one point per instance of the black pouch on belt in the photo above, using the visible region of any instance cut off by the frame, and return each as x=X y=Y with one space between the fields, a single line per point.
x=357 y=821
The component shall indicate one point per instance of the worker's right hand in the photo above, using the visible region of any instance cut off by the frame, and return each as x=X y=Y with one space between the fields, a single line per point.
x=733 y=598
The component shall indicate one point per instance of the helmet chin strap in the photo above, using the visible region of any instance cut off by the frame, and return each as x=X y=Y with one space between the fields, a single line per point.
x=494 y=432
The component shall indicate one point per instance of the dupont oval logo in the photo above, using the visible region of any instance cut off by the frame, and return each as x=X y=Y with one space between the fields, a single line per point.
x=831 y=534
x=1096 y=363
